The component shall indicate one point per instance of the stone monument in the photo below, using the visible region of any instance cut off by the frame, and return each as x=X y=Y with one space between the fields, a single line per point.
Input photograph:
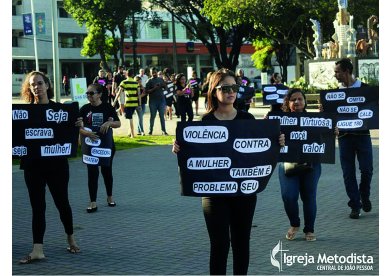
x=317 y=43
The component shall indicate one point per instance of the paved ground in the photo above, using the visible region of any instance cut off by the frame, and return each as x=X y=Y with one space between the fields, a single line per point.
x=154 y=230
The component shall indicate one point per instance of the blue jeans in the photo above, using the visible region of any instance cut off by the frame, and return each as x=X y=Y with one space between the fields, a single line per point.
x=140 y=111
x=304 y=185
x=160 y=106
x=351 y=146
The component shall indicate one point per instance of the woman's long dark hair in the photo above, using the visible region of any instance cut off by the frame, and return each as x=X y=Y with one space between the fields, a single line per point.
x=214 y=81
x=26 y=93
x=285 y=105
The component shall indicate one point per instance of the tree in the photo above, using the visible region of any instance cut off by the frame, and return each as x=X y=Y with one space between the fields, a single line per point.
x=223 y=43
x=100 y=17
x=286 y=23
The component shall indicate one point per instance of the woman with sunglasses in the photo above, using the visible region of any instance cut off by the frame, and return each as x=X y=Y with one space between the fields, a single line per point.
x=39 y=172
x=103 y=116
x=227 y=218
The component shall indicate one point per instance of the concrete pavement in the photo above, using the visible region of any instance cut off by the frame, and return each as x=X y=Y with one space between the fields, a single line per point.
x=155 y=230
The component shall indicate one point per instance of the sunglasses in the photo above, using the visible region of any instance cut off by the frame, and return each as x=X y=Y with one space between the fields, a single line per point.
x=227 y=88
x=91 y=93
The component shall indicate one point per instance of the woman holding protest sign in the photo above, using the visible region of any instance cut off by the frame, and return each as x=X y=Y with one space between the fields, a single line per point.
x=50 y=171
x=299 y=179
x=100 y=116
x=228 y=218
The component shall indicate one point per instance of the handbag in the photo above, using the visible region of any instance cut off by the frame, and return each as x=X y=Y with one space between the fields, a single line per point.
x=294 y=169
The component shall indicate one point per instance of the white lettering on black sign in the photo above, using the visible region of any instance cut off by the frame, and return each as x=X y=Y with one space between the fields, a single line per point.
x=285 y=120
x=298 y=135
x=347 y=109
x=60 y=116
x=205 y=134
x=19 y=151
x=208 y=163
x=101 y=152
x=335 y=96
x=284 y=149
x=356 y=99
x=314 y=148
x=365 y=114
x=282 y=91
x=91 y=142
x=258 y=171
x=350 y=123
x=272 y=97
x=316 y=122
x=215 y=187
x=39 y=133
x=252 y=145
x=56 y=150
x=19 y=115
x=90 y=160
x=270 y=89
x=249 y=186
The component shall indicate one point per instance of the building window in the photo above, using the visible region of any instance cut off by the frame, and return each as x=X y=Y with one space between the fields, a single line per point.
x=165 y=30
x=70 y=40
x=13 y=10
x=61 y=11
x=15 y=41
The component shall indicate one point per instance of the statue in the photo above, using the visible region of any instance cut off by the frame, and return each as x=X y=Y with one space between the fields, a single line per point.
x=341 y=26
x=317 y=43
x=372 y=34
x=351 y=39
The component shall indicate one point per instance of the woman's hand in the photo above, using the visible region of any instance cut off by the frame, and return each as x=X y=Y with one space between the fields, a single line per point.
x=281 y=139
x=104 y=127
x=79 y=122
x=176 y=147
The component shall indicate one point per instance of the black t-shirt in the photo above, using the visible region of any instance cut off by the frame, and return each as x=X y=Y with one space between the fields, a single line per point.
x=240 y=115
x=95 y=116
x=183 y=99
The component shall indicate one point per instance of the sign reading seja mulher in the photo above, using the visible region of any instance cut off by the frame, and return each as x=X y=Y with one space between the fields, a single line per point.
x=309 y=137
x=356 y=108
x=44 y=130
x=274 y=94
x=227 y=158
x=97 y=152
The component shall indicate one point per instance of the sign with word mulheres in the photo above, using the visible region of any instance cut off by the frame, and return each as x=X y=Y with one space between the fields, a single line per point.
x=309 y=136
x=274 y=94
x=356 y=108
x=44 y=130
x=227 y=158
x=97 y=152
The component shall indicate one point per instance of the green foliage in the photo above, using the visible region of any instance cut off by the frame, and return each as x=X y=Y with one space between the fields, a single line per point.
x=308 y=88
x=263 y=51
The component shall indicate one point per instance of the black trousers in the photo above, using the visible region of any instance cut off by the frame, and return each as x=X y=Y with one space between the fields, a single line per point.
x=93 y=178
x=185 y=108
x=57 y=179
x=229 y=218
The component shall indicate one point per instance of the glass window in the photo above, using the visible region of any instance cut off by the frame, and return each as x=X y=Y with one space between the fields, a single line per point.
x=61 y=11
x=70 y=40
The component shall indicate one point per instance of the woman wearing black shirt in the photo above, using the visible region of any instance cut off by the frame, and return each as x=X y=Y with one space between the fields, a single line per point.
x=228 y=219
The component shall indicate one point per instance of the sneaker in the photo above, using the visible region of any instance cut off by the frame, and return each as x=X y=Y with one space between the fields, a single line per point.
x=165 y=133
x=366 y=205
x=355 y=213
x=150 y=133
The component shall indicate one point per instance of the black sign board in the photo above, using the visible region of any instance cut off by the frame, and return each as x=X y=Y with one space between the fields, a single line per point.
x=309 y=136
x=222 y=158
x=356 y=108
x=44 y=130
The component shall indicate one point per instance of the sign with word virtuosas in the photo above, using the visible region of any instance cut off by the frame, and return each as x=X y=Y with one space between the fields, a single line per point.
x=309 y=136
x=226 y=158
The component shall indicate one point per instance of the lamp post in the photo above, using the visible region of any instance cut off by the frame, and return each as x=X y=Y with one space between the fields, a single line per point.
x=174 y=46
x=133 y=32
